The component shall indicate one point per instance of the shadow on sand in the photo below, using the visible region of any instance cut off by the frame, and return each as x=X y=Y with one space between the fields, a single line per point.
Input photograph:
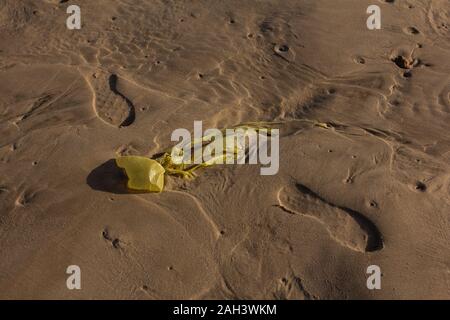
x=108 y=177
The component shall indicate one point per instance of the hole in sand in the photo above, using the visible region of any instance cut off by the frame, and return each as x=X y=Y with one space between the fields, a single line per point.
x=402 y=62
x=420 y=186
x=283 y=48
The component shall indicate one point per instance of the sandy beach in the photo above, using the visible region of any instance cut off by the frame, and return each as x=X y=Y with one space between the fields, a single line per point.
x=364 y=149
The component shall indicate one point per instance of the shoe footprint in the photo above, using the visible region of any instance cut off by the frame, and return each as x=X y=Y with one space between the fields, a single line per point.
x=349 y=228
x=110 y=105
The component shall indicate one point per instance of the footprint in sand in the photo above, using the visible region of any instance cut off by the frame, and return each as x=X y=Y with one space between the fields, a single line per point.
x=349 y=228
x=110 y=105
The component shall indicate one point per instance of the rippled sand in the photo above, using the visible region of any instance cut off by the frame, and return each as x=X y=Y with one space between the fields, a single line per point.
x=364 y=150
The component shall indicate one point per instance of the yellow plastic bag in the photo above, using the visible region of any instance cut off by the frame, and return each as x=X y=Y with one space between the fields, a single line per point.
x=187 y=171
x=143 y=174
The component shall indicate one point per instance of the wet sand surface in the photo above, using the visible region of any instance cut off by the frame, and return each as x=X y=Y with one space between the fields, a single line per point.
x=364 y=173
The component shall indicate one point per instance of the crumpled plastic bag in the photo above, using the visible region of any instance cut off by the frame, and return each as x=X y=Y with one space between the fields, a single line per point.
x=144 y=174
